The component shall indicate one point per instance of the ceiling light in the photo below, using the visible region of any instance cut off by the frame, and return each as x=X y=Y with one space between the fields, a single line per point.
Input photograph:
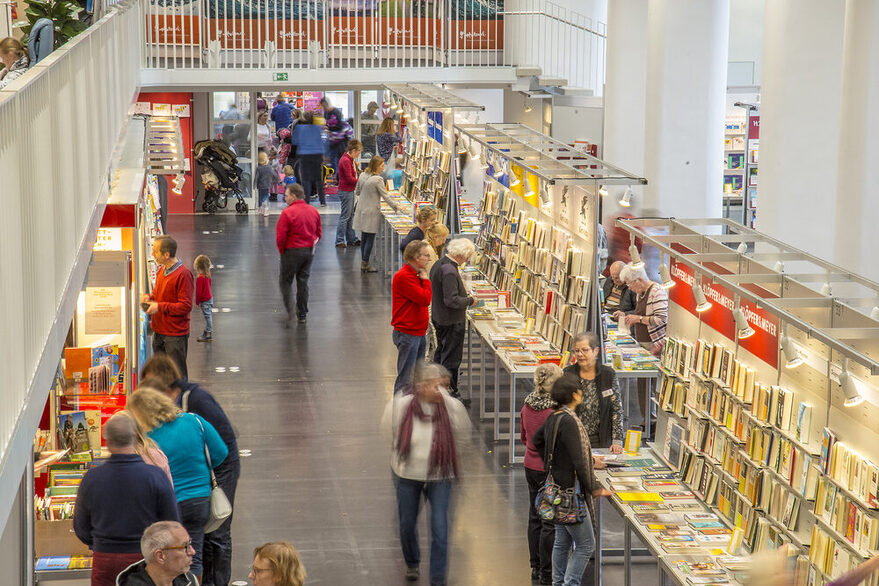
x=667 y=281
x=626 y=200
x=635 y=256
x=529 y=191
x=179 y=181
x=742 y=249
x=702 y=304
x=743 y=329
x=849 y=388
x=602 y=191
x=792 y=356
x=514 y=179
x=826 y=289
x=779 y=267
x=874 y=314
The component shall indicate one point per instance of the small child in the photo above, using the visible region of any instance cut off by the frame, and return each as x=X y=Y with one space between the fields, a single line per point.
x=203 y=296
x=266 y=176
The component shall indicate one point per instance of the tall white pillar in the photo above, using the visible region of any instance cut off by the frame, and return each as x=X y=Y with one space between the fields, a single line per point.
x=625 y=91
x=688 y=44
x=857 y=196
x=799 y=123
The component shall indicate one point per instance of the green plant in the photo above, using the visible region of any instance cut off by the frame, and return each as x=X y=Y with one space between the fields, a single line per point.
x=63 y=13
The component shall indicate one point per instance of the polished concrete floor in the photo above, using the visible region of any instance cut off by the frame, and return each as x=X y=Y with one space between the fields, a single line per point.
x=306 y=402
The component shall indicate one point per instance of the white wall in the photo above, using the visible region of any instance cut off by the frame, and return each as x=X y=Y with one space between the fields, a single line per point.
x=584 y=121
x=514 y=110
x=492 y=99
x=746 y=42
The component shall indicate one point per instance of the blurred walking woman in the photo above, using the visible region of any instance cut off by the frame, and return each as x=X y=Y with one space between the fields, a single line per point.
x=182 y=437
x=277 y=564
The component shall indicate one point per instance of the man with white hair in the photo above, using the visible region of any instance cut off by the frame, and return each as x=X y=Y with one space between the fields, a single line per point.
x=167 y=554
x=617 y=295
x=449 y=307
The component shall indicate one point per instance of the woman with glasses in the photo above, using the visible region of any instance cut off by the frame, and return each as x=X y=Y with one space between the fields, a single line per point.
x=277 y=564
x=601 y=409
x=184 y=437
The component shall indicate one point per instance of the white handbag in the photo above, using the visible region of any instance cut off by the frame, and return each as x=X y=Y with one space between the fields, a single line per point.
x=221 y=508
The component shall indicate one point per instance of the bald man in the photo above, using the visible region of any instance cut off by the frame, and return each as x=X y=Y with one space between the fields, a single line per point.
x=117 y=501
x=617 y=296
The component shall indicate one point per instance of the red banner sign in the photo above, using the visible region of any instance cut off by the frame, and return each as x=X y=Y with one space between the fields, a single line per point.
x=172 y=29
x=476 y=34
x=764 y=342
x=240 y=33
x=753 y=127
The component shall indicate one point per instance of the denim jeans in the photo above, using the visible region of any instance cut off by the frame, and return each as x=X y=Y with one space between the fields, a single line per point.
x=367 y=239
x=344 y=232
x=263 y=196
x=568 y=566
x=409 y=349
x=438 y=494
x=207 y=311
x=194 y=515
x=218 y=544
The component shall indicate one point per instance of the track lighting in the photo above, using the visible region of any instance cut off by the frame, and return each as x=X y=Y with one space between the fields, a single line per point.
x=779 y=266
x=179 y=181
x=874 y=314
x=849 y=387
x=602 y=191
x=743 y=329
x=462 y=150
x=544 y=194
x=529 y=191
x=702 y=304
x=514 y=179
x=473 y=152
x=826 y=289
x=742 y=249
x=635 y=257
x=792 y=356
x=626 y=200
x=483 y=161
x=665 y=275
x=499 y=172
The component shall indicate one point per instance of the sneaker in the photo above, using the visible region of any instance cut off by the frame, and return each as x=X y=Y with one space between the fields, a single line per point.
x=341 y=245
x=205 y=337
x=323 y=205
x=412 y=574
x=356 y=243
x=535 y=574
x=546 y=579
x=302 y=319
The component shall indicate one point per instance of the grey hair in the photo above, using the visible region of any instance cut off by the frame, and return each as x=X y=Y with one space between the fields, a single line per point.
x=629 y=274
x=460 y=247
x=545 y=375
x=589 y=337
x=157 y=536
x=425 y=371
x=119 y=432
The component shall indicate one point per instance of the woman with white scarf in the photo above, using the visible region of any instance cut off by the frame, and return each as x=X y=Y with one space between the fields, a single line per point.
x=571 y=465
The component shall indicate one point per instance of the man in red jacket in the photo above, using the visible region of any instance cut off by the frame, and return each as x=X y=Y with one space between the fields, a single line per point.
x=297 y=233
x=170 y=303
x=411 y=294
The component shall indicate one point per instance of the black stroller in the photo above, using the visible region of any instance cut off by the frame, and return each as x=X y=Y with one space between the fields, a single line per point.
x=220 y=177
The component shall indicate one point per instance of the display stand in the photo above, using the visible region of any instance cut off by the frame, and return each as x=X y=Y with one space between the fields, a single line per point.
x=430 y=147
x=768 y=396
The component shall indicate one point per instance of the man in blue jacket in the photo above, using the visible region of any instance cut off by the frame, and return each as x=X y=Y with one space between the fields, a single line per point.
x=217 y=550
x=281 y=113
x=118 y=500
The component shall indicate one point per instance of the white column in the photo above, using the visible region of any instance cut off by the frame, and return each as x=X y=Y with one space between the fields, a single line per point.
x=625 y=93
x=857 y=196
x=799 y=123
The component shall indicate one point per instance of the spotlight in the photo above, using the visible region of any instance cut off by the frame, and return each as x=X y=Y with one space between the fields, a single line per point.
x=462 y=150
x=702 y=304
x=779 y=267
x=602 y=191
x=849 y=388
x=742 y=249
x=545 y=196
x=636 y=261
x=473 y=145
x=667 y=281
x=529 y=191
x=826 y=289
x=499 y=172
x=483 y=162
x=514 y=179
x=874 y=314
x=790 y=352
x=179 y=180
x=626 y=200
x=743 y=329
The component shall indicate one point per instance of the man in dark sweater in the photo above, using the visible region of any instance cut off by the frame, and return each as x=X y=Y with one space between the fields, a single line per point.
x=170 y=302
x=191 y=398
x=118 y=500
x=617 y=296
x=449 y=307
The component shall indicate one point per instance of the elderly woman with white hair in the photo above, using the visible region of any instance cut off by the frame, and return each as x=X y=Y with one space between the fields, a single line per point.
x=449 y=304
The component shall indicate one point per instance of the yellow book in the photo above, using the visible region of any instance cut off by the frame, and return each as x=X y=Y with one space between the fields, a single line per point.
x=639 y=497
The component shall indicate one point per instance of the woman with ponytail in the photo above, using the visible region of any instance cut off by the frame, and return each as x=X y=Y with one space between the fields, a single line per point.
x=427 y=428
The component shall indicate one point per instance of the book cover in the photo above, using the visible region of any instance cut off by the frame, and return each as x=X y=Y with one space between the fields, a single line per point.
x=639 y=497
x=804 y=422
x=73 y=431
x=828 y=438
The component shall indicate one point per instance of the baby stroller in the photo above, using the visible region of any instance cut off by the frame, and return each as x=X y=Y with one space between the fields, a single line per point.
x=220 y=177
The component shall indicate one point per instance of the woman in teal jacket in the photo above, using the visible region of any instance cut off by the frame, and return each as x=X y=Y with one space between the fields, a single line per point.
x=183 y=437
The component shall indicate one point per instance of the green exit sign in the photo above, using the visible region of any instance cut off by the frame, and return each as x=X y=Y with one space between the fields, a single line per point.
x=280 y=76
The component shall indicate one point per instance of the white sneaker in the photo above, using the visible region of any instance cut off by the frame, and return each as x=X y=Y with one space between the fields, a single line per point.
x=264 y=210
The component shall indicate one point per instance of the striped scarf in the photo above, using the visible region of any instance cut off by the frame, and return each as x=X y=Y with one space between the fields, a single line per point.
x=443 y=459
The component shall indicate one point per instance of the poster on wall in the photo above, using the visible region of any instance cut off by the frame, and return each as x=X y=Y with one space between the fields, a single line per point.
x=103 y=311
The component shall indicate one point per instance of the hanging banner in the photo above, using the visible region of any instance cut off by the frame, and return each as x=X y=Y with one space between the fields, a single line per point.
x=239 y=33
x=411 y=32
x=485 y=35
x=173 y=29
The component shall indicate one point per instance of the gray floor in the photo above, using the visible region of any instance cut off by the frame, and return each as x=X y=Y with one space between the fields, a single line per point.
x=306 y=403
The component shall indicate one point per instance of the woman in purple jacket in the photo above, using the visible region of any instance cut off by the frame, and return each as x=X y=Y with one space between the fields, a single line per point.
x=538 y=406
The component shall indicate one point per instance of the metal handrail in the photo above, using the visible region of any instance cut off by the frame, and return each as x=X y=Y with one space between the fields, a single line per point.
x=552 y=17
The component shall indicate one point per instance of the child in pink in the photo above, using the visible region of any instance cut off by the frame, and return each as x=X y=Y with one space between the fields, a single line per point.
x=203 y=296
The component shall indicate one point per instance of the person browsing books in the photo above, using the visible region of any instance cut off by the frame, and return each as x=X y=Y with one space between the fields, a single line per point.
x=618 y=296
x=368 y=195
x=424 y=218
x=601 y=407
x=571 y=467
x=168 y=554
x=117 y=501
x=411 y=295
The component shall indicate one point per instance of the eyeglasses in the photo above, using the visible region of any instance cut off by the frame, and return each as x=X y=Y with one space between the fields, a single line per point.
x=184 y=546
x=583 y=350
x=256 y=570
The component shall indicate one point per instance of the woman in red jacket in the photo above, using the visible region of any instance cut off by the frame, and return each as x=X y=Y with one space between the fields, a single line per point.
x=349 y=169
x=538 y=406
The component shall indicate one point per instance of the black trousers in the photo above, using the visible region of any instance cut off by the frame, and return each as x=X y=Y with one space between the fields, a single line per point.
x=450 y=348
x=541 y=535
x=174 y=346
x=296 y=264
x=217 y=549
x=310 y=175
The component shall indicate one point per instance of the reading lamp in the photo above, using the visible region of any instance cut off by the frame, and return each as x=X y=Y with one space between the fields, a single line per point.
x=665 y=275
x=790 y=352
x=636 y=261
x=626 y=200
x=743 y=329
x=849 y=388
x=702 y=304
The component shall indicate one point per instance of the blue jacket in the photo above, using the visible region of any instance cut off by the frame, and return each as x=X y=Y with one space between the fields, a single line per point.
x=183 y=442
x=281 y=115
x=118 y=500
x=202 y=403
x=309 y=139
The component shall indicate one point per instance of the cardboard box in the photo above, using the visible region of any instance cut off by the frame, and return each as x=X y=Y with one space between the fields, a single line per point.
x=56 y=538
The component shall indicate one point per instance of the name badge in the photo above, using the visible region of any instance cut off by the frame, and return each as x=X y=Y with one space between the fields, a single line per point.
x=607 y=393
